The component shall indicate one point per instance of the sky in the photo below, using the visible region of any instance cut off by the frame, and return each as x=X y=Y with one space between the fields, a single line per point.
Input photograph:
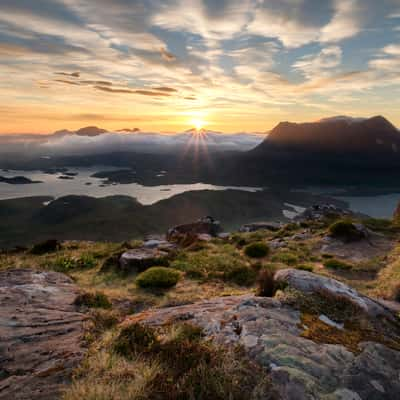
x=226 y=65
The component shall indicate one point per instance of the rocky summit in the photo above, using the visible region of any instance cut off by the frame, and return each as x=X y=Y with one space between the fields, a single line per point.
x=307 y=309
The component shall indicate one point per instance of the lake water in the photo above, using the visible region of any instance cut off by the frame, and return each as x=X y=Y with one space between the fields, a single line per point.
x=83 y=184
x=382 y=206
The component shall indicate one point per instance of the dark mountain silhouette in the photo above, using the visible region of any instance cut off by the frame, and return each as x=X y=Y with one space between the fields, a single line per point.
x=337 y=150
x=335 y=135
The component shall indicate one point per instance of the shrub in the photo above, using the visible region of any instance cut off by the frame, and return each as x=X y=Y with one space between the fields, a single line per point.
x=266 y=283
x=241 y=275
x=47 y=246
x=92 y=300
x=346 y=230
x=334 y=263
x=306 y=267
x=135 y=338
x=257 y=250
x=286 y=257
x=158 y=277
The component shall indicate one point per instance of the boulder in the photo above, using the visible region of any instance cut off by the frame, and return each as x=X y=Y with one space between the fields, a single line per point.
x=40 y=332
x=206 y=225
x=310 y=283
x=273 y=334
x=257 y=226
x=140 y=259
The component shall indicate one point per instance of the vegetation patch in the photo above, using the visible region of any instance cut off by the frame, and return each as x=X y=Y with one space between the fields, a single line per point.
x=266 y=286
x=286 y=257
x=93 y=300
x=189 y=366
x=334 y=263
x=345 y=229
x=68 y=263
x=218 y=262
x=158 y=277
x=256 y=250
x=48 y=246
x=305 y=267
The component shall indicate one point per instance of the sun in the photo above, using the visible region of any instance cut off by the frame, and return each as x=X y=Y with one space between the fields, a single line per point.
x=197 y=123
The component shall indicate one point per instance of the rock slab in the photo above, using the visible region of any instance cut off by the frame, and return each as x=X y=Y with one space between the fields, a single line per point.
x=300 y=369
x=40 y=334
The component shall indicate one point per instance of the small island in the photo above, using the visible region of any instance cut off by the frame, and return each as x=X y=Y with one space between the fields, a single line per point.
x=17 y=180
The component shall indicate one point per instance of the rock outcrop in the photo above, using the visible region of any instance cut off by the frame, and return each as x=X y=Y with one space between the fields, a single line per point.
x=138 y=260
x=190 y=232
x=319 y=212
x=40 y=332
x=309 y=283
x=257 y=226
x=328 y=361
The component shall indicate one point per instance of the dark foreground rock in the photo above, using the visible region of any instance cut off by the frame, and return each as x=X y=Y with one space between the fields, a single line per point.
x=40 y=334
x=319 y=212
x=308 y=356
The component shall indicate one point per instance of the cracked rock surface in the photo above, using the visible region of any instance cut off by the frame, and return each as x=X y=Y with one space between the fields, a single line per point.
x=300 y=369
x=40 y=334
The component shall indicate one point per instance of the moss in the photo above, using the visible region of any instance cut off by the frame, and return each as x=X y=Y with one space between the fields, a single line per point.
x=378 y=224
x=93 y=300
x=334 y=263
x=257 y=250
x=305 y=267
x=158 y=277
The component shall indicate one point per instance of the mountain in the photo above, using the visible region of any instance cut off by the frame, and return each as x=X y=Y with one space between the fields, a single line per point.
x=90 y=131
x=338 y=150
x=336 y=135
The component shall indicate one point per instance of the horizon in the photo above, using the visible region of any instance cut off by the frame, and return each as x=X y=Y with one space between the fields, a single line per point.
x=194 y=129
x=229 y=66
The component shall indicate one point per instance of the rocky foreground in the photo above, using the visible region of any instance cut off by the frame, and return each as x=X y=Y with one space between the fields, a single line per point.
x=41 y=334
x=307 y=354
x=234 y=323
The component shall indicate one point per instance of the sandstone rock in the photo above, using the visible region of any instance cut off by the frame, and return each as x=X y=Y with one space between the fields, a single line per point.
x=271 y=334
x=257 y=226
x=138 y=260
x=40 y=334
x=307 y=282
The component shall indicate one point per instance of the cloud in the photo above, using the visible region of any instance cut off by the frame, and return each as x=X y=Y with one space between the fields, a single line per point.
x=71 y=74
x=313 y=66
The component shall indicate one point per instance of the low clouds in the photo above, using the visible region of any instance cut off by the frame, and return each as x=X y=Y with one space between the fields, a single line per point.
x=135 y=141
